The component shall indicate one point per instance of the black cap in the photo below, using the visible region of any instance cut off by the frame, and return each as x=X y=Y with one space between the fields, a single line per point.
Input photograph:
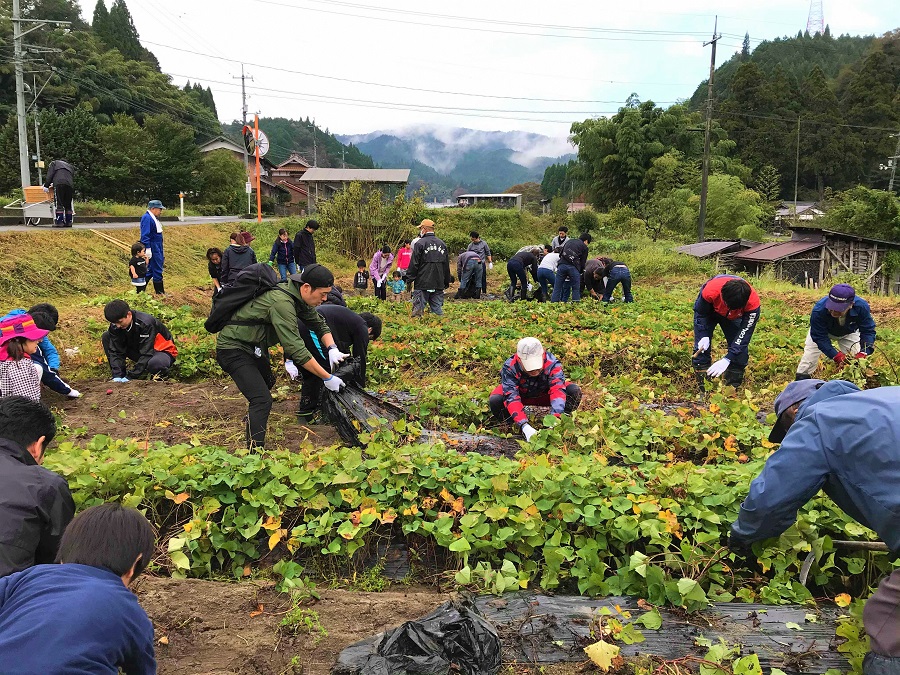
x=317 y=276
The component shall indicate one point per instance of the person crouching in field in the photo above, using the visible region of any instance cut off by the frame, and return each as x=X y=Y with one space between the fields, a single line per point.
x=46 y=317
x=19 y=375
x=532 y=376
x=80 y=616
x=137 y=336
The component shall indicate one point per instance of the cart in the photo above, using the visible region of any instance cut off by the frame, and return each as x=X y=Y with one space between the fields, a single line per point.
x=37 y=206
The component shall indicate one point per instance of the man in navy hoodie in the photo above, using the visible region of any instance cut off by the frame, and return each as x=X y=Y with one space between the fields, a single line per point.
x=79 y=617
x=845 y=442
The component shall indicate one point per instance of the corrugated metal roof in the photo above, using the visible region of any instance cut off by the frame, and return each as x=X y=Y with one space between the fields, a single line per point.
x=322 y=175
x=706 y=248
x=500 y=194
x=774 y=251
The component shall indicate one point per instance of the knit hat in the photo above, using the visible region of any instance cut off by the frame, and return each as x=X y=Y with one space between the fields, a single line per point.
x=317 y=276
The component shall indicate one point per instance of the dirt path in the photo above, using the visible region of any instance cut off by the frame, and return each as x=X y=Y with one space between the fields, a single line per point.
x=214 y=628
x=174 y=412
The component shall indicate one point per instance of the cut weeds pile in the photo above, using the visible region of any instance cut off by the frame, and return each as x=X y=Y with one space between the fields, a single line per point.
x=633 y=495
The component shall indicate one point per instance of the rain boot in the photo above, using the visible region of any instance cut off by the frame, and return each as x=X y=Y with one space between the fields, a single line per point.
x=733 y=376
x=158 y=288
x=802 y=376
x=700 y=376
x=69 y=217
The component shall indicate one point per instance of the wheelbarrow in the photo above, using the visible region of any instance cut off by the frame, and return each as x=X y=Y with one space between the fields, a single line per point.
x=36 y=206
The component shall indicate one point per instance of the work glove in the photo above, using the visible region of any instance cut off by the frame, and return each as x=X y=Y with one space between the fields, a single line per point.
x=46 y=189
x=861 y=355
x=74 y=393
x=334 y=383
x=703 y=344
x=718 y=367
x=490 y=265
x=120 y=379
x=840 y=358
x=528 y=431
x=291 y=369
x=335 y=356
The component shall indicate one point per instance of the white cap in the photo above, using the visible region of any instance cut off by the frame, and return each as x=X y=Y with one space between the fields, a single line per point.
x=531 y=353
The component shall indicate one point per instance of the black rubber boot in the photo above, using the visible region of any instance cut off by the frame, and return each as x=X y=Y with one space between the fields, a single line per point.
x=733 y=377
x=700 y=376
x=802 y=376
x=158 y=287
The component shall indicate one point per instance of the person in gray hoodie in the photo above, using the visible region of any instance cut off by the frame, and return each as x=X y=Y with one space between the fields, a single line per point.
x=235 y=258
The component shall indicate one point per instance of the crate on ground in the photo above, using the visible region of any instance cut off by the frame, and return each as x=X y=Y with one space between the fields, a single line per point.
x=35 y=193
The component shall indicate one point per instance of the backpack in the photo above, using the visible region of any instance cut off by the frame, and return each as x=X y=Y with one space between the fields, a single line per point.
x=250 y=283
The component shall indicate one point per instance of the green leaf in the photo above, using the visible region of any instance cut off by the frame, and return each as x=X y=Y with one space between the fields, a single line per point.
x=460 y=545
x=747 y=665
x=180 y=560
x=793 y=625
x=651 y=619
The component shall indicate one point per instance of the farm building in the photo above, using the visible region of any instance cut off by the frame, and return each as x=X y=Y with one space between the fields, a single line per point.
x=719 y=249
x=788 y=212
x=813 y=255
x=323 y=183
x=501 y=200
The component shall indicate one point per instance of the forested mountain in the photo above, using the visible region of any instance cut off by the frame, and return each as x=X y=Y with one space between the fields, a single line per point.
x=287 y=136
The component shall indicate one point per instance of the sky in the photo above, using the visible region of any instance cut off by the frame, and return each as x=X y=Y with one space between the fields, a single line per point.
x=358 y=66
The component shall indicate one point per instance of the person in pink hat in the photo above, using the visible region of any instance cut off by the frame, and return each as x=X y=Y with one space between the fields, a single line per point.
x=19 y=375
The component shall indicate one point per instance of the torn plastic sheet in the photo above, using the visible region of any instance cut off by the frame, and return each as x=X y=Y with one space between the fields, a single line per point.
x=541 y=629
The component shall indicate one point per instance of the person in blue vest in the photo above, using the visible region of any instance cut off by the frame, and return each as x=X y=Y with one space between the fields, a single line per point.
x=80 y=616
x=152 y=239
x=843 y=316
x=846 y=443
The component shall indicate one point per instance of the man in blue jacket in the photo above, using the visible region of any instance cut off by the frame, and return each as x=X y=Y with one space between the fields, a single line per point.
x=841 y=316
x=845 y=442
x=152 y=239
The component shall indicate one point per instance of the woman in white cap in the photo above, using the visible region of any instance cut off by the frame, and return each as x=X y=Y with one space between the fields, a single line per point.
x=534 y=377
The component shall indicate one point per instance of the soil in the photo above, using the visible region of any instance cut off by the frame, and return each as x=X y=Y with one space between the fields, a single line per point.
x=220 y=628
x=174 y=412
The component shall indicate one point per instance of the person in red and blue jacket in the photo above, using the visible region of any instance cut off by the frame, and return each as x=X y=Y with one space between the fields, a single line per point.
x=730 y=302
x=532 y=377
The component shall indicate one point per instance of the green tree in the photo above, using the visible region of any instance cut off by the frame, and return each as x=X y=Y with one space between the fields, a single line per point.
x=124 y=150
x=173 y=160
x=768 y=184
x=745 y=48
x=531 y=196
x=100 y=22
x=221 y=179
x=730 y=206
x=122 y=35
x=871 y=213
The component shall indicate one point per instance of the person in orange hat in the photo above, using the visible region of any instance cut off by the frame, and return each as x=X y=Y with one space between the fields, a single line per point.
x=19 y=375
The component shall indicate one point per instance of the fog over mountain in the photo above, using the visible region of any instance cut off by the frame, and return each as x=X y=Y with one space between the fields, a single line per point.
x=448 y=158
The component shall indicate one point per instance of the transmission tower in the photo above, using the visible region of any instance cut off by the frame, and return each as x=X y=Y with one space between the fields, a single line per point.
x=816 y=21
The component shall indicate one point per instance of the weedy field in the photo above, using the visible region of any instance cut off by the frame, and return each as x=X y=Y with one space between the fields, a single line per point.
x=631 y=495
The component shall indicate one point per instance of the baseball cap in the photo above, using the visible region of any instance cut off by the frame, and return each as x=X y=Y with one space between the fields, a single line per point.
x=427 y=225
x=155 y=204
x=840 y=297
x=531 y=353
x=317 y=276
x=795 y=392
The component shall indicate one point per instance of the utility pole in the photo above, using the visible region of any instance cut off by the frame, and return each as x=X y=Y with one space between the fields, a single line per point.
x=894 y=160
x=243 y=79
x=18 y=34
x=343 y=164
x=37 y=135
x=797 y=169
x=704 y=181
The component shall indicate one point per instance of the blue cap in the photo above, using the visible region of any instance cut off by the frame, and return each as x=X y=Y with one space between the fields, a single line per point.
x=155 y=204
x=840 y=298
x=795 y=392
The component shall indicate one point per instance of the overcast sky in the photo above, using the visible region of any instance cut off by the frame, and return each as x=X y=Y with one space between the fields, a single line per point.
x=481 y=60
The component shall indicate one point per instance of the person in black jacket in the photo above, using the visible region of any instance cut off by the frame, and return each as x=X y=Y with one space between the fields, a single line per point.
x=139 y=337
x=304 y=246
x=35 y=503
x=61 y=175
x=283 y=255
x=572 y=259
x=429 y=271
x=236 y=257
x=515 y=267
x=352 y=333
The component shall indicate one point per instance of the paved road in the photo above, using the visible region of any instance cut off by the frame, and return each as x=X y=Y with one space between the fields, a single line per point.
x=199 y=220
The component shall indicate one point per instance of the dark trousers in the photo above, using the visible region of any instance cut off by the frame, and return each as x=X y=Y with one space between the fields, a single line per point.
x=484 y=272
x=568 y=280
x=881 y=618
x=64 y=195
x=157 y=260
x=312 y=385
x=160 y=362
x=254 y=379
x=618 y=276
x=731 y=328
x=516 y=271
x=498 y=405
x=470 y=282
x=381 y=290
x=49 y=378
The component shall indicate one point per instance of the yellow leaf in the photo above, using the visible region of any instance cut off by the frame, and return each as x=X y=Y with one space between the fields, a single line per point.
x=731 y=444
x=272 y=523
x=188 y=527
x=275 y=538
x=388 y=517
x=163 y=640
x=602 y=653
x=181 y=498
x=247 y=570
x=842 y=600
x=671 y=521
x=446 y=496
x=714 y=408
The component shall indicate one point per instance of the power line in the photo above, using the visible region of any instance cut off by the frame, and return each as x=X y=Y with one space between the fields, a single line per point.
x=792 y=120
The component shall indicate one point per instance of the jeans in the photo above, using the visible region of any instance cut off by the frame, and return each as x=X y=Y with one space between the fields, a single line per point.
x=516 y=271
x=568 y=280
x=616 y=276
x=734 y=375
x=253 y=377
x=434 y=299
x=283 y=270
x=470 y=283
x=546 y=278
x=498 y=404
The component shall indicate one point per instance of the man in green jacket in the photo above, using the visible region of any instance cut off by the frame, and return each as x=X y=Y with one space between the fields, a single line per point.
x=242 y=347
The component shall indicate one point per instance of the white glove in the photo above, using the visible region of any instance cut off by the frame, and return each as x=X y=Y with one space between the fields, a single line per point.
x=46 y=189
x=490 y=265
x=529 y=431
x=703 y=345
x=377 y=283
x=334 y=383
x=335 y=356
x=74 y=393
x=718 y=367
x=291 y=369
